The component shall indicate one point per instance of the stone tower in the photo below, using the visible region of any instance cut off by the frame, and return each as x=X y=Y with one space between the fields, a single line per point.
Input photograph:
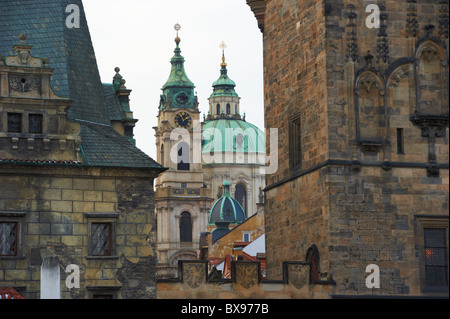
x=181 y=198
x=359 y=95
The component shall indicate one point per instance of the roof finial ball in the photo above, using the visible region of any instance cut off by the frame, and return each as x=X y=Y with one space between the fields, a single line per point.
x=117 y=69
x=22 y=37
x=177 y=28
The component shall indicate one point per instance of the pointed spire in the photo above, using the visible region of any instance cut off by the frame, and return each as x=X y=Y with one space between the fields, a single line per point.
x=178 y=91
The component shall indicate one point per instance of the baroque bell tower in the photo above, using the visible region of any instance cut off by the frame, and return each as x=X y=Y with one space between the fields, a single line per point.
x=181 y=199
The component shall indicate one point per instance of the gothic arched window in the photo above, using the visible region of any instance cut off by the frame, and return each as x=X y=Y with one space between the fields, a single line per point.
x=185 y=227
x=240 y=195
x=183 y=157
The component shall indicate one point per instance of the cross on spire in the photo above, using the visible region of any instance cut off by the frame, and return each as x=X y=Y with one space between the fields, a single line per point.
x=223 y=46
x=177 y=27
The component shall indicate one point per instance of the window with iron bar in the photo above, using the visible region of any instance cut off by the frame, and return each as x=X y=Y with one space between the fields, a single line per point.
x=8 y=239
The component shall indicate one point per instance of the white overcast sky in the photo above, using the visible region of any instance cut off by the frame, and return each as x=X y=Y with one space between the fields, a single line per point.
x=138 y=36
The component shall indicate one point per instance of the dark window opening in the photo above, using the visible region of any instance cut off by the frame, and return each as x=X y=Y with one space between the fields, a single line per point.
x=183 y=157
x=312 y=256
x=400 y=145
x=218 y=109
x=436 y=257
x=35 y=123
x=101 y=239
x=240 y=195
x=8 y=239
x=185 y=227
x=295 y=142
x=228 y=109
x=128 y=131
x=14 y=122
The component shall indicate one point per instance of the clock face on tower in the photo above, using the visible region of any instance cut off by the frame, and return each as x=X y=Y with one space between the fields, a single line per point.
x=183 y=120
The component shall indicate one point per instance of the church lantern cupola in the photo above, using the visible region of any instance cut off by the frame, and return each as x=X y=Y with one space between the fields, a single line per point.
x=223 y=101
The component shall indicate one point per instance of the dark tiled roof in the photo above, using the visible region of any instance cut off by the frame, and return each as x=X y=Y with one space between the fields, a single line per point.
x=114 y=107
x=102 y=146
x=76 y=75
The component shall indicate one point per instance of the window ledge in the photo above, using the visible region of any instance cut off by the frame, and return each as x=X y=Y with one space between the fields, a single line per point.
x=12 y=257
x=103 y=257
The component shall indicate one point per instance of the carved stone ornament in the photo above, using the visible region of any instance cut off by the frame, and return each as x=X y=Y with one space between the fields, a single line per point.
x=298 y=275
x=429 y=52
x=24 y=84
x=247 y=274
x=412 y=24
x=193 y=274
x=367 y=80
x=443 y=20
x=400 y=73
x=352 y=43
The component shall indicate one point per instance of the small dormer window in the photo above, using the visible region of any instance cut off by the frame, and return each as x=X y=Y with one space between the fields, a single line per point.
x=35 y=123
x=14 y=122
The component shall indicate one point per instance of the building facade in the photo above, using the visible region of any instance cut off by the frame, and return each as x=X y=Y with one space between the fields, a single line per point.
x=76 y=195
x=362 y=114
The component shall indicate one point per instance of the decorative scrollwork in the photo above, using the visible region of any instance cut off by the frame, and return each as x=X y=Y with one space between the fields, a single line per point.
x=23 y=84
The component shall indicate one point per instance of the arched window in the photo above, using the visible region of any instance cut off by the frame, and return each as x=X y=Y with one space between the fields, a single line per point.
x=240 y=195
x=183 y=157
x=228 y=108
x=162 y=155
x=218 y=109
x=312 y=256
x=185 y=227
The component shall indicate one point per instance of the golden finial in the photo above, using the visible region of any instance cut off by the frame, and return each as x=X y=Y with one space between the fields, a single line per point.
x=223 y=46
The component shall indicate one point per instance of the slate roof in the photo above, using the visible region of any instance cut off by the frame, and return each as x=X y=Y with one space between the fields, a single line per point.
x=76 y=75
x=114 y=107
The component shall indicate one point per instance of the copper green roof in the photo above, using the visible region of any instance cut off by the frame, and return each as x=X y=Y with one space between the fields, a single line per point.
x=229 y=135
x=226 y=208
x=178 y=75
x=223 y=86
x=178 y=91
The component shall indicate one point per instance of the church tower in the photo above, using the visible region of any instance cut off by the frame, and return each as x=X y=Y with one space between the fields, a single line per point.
x=233 y=149
x=181 y=198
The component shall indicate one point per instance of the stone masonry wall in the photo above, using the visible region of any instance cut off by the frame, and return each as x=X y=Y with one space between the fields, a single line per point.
x=245 y=283
x=57 y=204
x=373 y=106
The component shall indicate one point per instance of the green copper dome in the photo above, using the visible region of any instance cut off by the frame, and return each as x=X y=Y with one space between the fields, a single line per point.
x=223 y=86
x=226 y=208
x=230 y=135
x=178 y=91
